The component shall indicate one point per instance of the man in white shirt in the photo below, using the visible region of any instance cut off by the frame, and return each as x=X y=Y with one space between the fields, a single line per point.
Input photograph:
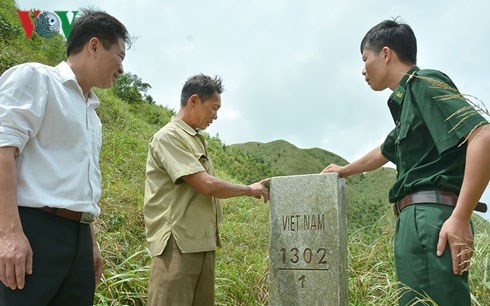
x=50 y=139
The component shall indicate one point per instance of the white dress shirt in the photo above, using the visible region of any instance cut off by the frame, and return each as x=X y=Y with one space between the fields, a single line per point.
x=58 y=135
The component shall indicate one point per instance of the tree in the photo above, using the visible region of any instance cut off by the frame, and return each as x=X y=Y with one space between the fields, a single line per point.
x=132 y=89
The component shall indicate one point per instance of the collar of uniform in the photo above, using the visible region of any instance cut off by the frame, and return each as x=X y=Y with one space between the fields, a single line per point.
x=396 y=99
x=399 y=92
x=67 y=75
x=184 y=126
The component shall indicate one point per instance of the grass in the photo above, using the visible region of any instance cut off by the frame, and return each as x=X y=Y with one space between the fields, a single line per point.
x=242 y=262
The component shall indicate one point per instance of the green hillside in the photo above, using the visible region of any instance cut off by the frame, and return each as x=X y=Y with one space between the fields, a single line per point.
x=129 y=120
x=367 y=194
x=284 y=158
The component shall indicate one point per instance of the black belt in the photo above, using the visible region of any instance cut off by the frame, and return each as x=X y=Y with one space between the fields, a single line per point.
x=76 y=216
x=432 y=196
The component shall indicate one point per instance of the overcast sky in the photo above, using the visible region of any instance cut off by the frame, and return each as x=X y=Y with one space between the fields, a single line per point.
x=292 y=69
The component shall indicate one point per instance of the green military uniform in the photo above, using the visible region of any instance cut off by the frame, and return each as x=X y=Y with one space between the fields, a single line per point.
x=425 y=146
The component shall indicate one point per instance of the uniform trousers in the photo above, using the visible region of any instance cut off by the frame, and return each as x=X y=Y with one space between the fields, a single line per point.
x=420 y=271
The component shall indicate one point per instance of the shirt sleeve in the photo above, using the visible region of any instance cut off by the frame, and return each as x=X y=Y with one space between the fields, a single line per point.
x=175 y=156
x=388 y=147
x=447 y=115
x=23 y=98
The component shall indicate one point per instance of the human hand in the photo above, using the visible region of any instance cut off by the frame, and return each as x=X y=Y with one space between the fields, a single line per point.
x=333 y=168
x=258 y=190
x=98 y=264
x=15 y=259
x=458 y=234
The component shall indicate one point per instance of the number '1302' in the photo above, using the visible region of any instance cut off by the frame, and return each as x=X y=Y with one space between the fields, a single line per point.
x=294 y=255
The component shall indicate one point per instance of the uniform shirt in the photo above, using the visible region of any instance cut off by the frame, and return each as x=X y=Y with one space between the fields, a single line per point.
x=425 y=142
x=58 y=136
x=171 y=205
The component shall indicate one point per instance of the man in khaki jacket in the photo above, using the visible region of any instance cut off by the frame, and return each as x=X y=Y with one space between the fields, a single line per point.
x=181 y=207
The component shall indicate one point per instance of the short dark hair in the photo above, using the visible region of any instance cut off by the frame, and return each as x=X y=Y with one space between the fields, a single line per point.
x=397 y=36
x=202 y=85
x=90 y=23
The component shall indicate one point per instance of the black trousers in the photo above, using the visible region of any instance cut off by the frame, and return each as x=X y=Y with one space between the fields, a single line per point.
x=63 y=263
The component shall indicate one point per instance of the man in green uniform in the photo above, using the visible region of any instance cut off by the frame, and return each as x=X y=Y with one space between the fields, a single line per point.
x=442 y=162
x=181 y=207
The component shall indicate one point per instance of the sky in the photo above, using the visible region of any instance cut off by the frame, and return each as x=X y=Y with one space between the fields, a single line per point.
x=292 y=69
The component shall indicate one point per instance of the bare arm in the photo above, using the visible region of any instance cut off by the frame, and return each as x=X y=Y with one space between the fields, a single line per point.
x=212 y=186
x=371 y=161
x=456 y=230
x=15 y=250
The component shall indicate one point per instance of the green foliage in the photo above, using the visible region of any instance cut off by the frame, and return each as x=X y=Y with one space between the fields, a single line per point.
x=367 y=197
x=132 y=89
x=8 y=30
x=242 y=263
x=252 y=161
x=127 y=129
x=9 y=26
x=284 y=158
x=240 y=165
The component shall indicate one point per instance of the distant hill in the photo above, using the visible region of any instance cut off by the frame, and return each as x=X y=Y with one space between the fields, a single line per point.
x=367 y=194
x=284 y=158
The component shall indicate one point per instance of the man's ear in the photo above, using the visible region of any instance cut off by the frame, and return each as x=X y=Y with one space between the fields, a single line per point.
x=193 y=99
x=93 y=44
x=386 y=54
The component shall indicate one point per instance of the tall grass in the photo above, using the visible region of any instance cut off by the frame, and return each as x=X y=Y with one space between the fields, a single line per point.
x=242 y=262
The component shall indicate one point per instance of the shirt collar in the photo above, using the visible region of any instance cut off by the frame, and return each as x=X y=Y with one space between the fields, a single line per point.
x=396 y=99
x=67 y=75
x=399 y=92
x=184 y=126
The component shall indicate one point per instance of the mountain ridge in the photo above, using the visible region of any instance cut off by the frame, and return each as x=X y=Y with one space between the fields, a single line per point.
x=366 y=194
